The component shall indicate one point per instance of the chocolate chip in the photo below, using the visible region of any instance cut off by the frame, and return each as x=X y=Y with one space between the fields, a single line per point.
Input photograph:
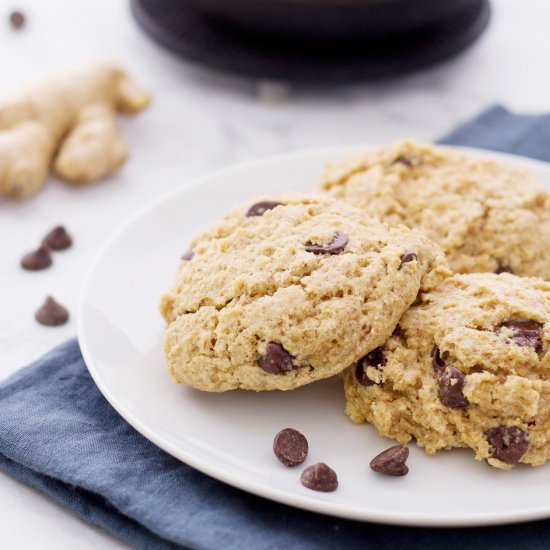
x=188 y=255
x=290 y=447
x=17 y=20
x=58 y=238
x=391 y=461
x=320 y=477
x=260 y=208
x=449 y=384
x=438 y=361
x=51 y=314
x=375 y=358
x=337 y=244
x=509 y=443
x=524 y=333
x=409 y=256
x=406 y=161
x=503 y=269
x=39 y=259
x=276 y=360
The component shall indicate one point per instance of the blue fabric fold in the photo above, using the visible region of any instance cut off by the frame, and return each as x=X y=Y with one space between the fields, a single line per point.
x=59 y=435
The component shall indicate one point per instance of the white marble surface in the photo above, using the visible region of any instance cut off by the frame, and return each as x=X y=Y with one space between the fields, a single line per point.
x=200 y=121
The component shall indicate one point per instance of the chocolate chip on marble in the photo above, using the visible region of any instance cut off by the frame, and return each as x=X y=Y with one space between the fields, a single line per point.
x=51 y=313
x=276 y=359
x=509 y=443
x=375 y=358
x=438 y=360
x=449 y=384
x=409 y=256
x=188 y=255
x=524 y=333
x=260 y=208
x=290 y=447
x=320 y=477
x=336 y=245
x=17 y=20
x=38 y=259
x=503 y=269
x=58 y=238
x=392 y=461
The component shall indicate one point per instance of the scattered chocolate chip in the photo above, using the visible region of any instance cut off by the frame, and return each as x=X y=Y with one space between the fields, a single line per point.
x=438 y=361
x=509 y=443
x=375 y=358
x=391 y=461
x=260 y=208
x=524 y=333
x=276 y=360
x=17 y=20
x=406 y=161
x=51 y=314
x=449 y=384
x=320 y=477
x=338 y=243
x=58 y=238
x=38 y=259
x=409 y=256
x=188 y=255
x=290 y=447
x=503 y=269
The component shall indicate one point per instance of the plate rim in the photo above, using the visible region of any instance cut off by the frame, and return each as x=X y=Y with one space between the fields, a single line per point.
x=257 y=488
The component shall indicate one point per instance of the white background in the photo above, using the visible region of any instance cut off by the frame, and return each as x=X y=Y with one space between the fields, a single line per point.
x=199 y=121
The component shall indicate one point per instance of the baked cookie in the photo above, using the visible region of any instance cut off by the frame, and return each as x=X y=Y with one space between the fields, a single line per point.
x=466 y=367
x=486 y=215
x=284 y=292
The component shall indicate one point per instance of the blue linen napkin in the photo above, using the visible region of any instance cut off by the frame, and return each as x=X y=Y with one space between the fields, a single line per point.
x=59 y=435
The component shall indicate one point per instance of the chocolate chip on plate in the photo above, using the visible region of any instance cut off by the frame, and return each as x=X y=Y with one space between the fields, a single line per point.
x=58 y=238
x=336 y=245
x=290 y=447
x=392 y=461
x=375 y=358
x=438 y=361
x=524 y=333
x=188 y=255
x=450 y=382
x=320 y=477
x=276 y=359
x=409 y=256
x=17 y=20
x=509 y=443
x=51 y=313
x=260 y=208
x=38 y=259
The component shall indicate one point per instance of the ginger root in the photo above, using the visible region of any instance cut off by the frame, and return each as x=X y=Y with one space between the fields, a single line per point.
x=66 y=122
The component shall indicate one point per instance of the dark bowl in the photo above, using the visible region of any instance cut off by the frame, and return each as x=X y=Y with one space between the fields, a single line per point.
x=330 y=19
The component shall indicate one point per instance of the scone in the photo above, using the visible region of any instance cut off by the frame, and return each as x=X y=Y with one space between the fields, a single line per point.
x=287 y=291
x=487 y=216
x=466 y=367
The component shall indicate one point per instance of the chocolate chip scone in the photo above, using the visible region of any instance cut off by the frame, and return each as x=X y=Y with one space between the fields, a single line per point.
x=487 y=216
x=466 y=367
x=284 y=292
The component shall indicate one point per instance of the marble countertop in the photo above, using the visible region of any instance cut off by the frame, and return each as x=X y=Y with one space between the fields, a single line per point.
x=199 y=121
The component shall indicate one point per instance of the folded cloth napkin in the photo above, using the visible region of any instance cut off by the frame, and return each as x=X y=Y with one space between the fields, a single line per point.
x=59 y=435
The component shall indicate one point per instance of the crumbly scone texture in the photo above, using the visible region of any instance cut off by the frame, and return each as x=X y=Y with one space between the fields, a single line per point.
x=487 y=215
x=469 y=320
x=251 y=282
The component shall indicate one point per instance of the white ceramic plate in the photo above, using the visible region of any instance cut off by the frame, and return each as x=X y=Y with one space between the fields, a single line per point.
x=229 y=436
